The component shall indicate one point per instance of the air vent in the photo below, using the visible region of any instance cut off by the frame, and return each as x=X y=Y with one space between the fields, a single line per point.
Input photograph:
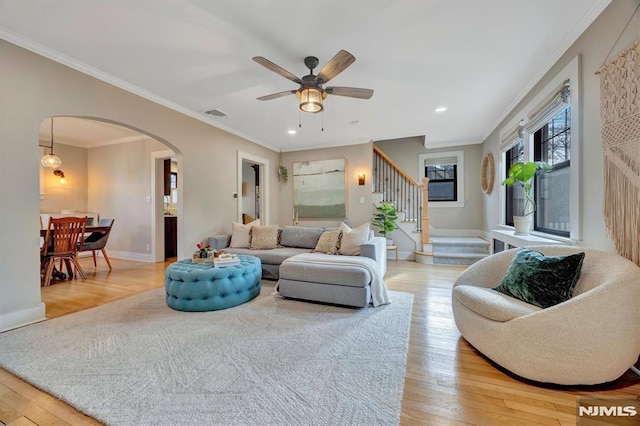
x=216 y=113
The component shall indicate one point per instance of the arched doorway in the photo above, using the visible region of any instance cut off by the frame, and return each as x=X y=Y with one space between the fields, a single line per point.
x=108 y=172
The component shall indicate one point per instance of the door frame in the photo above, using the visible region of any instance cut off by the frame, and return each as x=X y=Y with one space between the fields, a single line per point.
x=157 y=204
x=263 y=193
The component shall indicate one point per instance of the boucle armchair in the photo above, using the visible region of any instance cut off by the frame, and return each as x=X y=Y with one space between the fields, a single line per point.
x=592 y=338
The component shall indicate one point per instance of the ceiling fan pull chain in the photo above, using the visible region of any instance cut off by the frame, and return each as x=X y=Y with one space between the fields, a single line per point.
x=322 y=118
x=299 y=119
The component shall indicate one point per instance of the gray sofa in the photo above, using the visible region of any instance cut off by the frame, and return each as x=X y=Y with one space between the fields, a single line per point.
x=319 y=277
x=293 y=240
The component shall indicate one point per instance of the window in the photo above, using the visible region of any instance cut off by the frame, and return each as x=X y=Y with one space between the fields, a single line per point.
x=514 y=194
x=443 y=182
x=549 y=128
x=445 y=171
x=552 y=144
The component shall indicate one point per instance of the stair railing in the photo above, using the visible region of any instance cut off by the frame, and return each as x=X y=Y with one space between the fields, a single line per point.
x=402 y=190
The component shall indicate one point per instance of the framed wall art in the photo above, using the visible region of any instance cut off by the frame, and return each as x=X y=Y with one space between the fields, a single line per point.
x=319 y=189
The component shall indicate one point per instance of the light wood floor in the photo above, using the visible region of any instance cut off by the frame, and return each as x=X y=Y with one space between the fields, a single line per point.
x=447 y=381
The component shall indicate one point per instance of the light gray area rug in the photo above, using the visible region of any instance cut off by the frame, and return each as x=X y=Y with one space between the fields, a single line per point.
x=270 y=361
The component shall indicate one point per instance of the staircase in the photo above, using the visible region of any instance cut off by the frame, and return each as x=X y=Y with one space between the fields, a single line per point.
x=392 y=184
x=459 y=250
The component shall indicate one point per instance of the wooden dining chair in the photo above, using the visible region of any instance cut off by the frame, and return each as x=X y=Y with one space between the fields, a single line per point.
x=98 y=241
x=61 y=243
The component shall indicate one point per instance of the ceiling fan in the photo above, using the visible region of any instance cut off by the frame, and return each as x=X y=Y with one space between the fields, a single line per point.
x=311 y=91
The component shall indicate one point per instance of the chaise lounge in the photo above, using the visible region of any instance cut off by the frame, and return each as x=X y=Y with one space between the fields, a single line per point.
x=352 y=276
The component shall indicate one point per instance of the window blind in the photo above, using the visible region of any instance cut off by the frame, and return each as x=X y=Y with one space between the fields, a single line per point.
x=512 y=135
x=548 y=108
x=440 y=160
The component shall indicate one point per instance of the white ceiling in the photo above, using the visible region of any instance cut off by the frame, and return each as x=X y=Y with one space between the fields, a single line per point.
x=476 y=57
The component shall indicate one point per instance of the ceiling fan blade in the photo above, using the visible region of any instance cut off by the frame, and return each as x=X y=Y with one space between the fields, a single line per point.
x=336 y=65
x=351 y=92
x=276 y=95
x=276 y=68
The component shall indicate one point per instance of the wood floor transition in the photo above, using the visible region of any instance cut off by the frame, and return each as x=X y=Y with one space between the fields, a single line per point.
x=447 y=381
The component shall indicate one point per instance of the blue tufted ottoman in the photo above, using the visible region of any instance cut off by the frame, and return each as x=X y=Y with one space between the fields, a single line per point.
x=198 y=287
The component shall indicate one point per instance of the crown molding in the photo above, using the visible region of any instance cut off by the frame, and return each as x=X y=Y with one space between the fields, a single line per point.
x=70 y=62
x=587 y=19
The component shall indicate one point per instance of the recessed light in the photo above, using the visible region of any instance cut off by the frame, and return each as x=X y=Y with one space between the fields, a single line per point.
x=291 y=132
x=441 y=109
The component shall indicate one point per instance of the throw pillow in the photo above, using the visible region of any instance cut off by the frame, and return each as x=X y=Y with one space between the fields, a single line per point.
x=240 y=234
x=300 y=236
x=352 y=239
x=329 y=242
x=541 y=280
x=264 y=237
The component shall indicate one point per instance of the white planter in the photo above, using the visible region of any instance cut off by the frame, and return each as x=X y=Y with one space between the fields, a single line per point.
x=522 y=224
x=389 y=242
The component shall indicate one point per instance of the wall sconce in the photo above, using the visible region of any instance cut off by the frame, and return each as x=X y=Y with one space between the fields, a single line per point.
x=60 y=174
x=361 y=178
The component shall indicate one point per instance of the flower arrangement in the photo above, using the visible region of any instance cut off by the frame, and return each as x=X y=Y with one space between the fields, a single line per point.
x=204 y=249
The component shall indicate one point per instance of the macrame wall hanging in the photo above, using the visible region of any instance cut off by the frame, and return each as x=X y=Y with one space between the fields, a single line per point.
x=620 y=116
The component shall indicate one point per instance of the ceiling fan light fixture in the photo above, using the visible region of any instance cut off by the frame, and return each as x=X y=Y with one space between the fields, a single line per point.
x=311 y=99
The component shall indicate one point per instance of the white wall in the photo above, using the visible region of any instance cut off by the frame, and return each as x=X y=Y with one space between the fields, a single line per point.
x=119 y=180
x=358 y=158
x=73 y=194
x=34 y=88
x=596 y=46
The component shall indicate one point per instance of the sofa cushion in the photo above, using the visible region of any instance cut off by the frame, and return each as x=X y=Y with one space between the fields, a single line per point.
x=271 y=256
x=300 y=236
x=328 y=242
x=240 y=235
x=264 y=237
x=353 y=238
x=492 y=304
x=541 y=280
x=326 y=273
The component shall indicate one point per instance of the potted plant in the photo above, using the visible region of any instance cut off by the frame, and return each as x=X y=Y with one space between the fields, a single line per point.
x=385 y=219
x=522 y=174
x=283 y=174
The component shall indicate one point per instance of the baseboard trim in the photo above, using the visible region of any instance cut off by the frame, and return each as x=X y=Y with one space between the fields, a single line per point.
x=127 y=255
x=23 y=317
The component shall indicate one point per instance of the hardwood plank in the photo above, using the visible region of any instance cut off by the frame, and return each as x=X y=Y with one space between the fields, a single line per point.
x=8 y=414
x=447 y=381
x=38 y=406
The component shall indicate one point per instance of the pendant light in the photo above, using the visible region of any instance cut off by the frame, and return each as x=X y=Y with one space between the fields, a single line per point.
x=51 y=160
x=311 y=99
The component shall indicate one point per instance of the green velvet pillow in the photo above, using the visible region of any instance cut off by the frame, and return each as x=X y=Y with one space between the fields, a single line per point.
x=541 y=280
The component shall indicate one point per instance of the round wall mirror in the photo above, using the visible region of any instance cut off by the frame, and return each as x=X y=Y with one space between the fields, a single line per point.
x=487 y=172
